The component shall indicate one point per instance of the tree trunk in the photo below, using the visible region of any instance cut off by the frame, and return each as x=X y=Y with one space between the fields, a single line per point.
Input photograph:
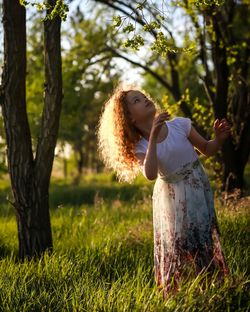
x=80 y=162
x=51 y=111
x=30 y=177
x=233 y=169
x=234 y=155
x=65 y=168
x=33 y=221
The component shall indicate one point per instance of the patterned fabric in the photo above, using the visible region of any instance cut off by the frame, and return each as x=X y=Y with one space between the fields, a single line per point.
x=186 y=232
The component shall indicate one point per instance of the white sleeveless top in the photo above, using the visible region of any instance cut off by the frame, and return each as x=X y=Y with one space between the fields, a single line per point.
x=175 y=150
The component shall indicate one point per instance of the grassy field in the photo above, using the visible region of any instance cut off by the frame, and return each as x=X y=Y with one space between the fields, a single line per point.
x=103 y=255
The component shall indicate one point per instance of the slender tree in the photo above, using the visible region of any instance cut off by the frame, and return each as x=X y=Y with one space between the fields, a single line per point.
x=29 y=174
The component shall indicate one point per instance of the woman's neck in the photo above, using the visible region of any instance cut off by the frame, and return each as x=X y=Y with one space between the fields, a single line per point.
x=145 y=128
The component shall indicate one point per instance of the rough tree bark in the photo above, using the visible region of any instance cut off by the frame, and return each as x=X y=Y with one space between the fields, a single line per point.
x=30 y=177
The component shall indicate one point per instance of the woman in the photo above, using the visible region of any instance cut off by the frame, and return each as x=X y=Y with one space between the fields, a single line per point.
x=134 y=136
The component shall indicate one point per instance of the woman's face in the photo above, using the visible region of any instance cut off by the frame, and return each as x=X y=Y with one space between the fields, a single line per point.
x=139 y=106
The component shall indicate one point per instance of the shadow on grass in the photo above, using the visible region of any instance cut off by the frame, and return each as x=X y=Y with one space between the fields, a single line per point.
x=6 y=251
x=78 y=195
x=70 y=195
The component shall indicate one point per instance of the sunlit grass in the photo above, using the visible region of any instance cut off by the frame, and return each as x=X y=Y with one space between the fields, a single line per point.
x=103 y=258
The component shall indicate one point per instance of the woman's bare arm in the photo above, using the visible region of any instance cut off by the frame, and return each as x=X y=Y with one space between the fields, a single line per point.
x=149 y=160
x=210 y=147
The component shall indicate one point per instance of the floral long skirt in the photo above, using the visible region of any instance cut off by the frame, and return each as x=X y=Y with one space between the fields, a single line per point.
x=186 y=232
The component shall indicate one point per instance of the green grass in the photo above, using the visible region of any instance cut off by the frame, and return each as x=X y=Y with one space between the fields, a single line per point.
x=103 y=256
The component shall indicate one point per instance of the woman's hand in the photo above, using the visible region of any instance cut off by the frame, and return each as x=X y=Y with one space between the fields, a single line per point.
x=221 y=129
x=210 y=147
x=157 y=123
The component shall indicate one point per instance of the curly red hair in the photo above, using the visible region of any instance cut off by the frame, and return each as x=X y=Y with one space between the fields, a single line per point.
x=117 y=136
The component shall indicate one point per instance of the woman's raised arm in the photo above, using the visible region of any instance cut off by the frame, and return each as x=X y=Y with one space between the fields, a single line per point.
x=210 y=147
